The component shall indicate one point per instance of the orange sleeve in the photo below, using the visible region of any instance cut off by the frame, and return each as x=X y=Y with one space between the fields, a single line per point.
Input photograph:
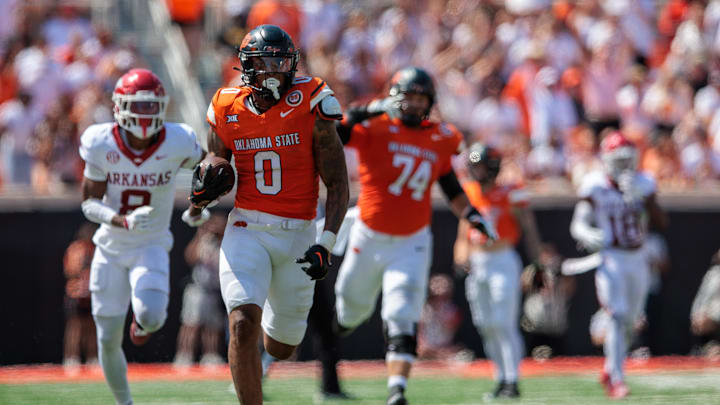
x=219 y=110
x=454 y=145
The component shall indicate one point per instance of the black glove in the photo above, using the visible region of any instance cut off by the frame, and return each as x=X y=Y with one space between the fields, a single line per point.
x=480 y=223
x=207 y=187
x=319 y=259
x=358 y=114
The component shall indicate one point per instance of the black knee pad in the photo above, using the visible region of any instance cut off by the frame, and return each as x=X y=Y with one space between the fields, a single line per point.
x=406 y=344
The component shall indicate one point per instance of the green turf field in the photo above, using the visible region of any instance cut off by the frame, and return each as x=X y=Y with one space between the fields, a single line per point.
x=660 y=388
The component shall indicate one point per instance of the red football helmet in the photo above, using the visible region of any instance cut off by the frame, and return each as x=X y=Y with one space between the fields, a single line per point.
x=619 y=155
x=140 y=103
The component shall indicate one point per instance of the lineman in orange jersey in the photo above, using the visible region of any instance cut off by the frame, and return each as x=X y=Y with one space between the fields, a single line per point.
x=280 y=130
x=493 y=285
x=401 y=154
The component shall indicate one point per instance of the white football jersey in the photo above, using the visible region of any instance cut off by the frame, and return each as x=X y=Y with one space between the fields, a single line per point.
x=134 y=180
x=620 y=214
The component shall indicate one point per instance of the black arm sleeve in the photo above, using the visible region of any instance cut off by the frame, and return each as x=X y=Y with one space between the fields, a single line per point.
x=450 y=185
x=344 y=130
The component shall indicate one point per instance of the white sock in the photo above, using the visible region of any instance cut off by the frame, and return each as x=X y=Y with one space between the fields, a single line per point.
x=615 y=348
x=492 y=352
x=395 y=380
x=112 y=359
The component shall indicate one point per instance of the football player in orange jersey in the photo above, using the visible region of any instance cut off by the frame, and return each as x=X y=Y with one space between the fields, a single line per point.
x=493 y=283
x=280 y=130
x=401 y=153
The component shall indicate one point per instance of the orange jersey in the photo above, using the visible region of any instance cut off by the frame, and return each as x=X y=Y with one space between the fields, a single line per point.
x=273 y=151
x=397 y=167
x=496 y=205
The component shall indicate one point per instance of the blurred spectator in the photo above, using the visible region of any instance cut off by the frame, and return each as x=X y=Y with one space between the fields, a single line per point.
x=662 y=161
x=286 y=14
x=80 y=341
x=17 y=126
x=658 y=257
x=439 y=322
x=188 y=14
x=202 y=313
x=705 y=312
x=628 y=64
x=547 y=296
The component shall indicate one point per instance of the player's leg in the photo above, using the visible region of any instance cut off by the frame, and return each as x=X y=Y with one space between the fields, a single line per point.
x=73 y=334
x=190 y=316
x=245 y=273
x=326 y=341
x=110 y=290
x=611 y=291
x=359 y=279
x=284 y=318
x=89 y=339
x=477 y=291
x=150 y=283
x=504 y=289
x=212 y=329
x=404 y=292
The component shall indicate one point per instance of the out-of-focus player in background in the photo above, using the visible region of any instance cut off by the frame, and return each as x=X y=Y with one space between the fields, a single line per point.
x=202 y=314
x=493 y=284
x=281 y=132
x=612 y=217
x=401 y=154
x=129 y=188
x=80 y=339
x=705 y=312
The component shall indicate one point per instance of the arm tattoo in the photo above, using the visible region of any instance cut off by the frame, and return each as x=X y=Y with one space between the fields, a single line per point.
x=330 y=164
x=216 y=146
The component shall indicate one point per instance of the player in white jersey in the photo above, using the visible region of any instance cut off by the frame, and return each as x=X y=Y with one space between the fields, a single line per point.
x=129 y=188
x=612 y=218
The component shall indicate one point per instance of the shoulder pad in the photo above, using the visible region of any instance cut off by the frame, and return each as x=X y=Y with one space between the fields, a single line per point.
x=646 y=184
x=591 y=182
x=95 y=135
x=329 y=108
x=225 y=96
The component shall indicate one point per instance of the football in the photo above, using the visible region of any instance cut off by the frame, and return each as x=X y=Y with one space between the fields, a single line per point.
x=219 y=168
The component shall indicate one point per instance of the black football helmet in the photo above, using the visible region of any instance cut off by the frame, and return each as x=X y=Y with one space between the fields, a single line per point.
x=411 y=80
x=268 y=49
x=483 y=162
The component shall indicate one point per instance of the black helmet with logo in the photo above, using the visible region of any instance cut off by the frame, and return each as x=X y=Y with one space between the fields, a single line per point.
x=268 y=49
x=412 y=80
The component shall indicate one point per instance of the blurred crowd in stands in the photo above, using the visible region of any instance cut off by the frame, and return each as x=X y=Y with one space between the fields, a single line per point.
x=57 y=73
x=539 y=79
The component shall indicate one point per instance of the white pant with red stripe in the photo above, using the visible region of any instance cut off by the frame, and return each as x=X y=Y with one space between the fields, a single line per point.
x=397 y=265
x=257 y=266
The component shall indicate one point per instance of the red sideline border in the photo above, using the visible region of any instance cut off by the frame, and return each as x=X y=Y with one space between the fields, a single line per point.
x=53 y=373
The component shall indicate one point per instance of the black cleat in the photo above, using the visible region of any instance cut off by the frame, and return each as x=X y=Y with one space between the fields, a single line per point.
x=324 y=396
x=507 y=390
x=397 y=396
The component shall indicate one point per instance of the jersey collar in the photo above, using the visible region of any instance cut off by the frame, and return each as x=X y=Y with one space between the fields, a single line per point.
x=141 y=158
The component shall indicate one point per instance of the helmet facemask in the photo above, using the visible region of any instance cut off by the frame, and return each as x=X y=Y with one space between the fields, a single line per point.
x=142 y=114
x=620 y=162
x=259 y=71
x=410 y=108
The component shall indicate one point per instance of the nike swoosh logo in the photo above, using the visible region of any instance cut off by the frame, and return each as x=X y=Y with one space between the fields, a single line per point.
x=284 y=114
x=158 y=157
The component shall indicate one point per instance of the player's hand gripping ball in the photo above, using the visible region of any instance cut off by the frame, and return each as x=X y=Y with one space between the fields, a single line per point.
x=212 y=178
